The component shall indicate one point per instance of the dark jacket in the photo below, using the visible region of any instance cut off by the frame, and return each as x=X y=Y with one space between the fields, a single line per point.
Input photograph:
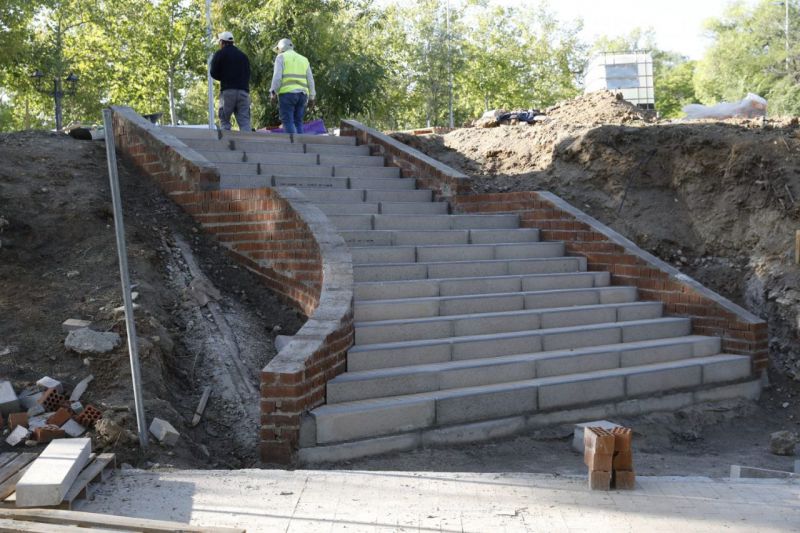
x=231 y=68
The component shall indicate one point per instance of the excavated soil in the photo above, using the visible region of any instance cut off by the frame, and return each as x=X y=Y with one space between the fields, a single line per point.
x=203 y=321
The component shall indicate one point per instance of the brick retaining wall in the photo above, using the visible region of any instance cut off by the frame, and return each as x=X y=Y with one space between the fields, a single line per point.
x=284 y=239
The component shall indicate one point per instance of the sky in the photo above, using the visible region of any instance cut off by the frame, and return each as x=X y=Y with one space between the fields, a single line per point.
x=678 y=24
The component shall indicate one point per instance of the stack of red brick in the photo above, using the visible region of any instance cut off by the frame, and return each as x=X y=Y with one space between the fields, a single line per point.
x=59 y=411
x=609 y=457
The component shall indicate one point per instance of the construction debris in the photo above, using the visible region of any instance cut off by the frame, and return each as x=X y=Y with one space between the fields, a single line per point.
x=19 y=434
x=164 y=432
x=609 y=457
x=85 y=341
x=782 y=443
x=73 y=429
x=72 y=324
x=201 y=406
x=577 y=434
x=51 y=475
x=9 y=403
x=49 y=383
x=80 y=388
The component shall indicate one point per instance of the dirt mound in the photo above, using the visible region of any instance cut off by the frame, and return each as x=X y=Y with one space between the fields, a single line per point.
x=601 y=107
x=58 y=261
x=720 y=200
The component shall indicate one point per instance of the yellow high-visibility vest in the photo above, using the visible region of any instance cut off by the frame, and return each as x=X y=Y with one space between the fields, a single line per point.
x=295 y=67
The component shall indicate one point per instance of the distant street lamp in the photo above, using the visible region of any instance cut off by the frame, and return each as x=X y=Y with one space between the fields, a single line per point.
x=57 y=92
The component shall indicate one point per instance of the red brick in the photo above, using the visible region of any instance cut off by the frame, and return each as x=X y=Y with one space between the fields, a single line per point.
x=60 y=417
x=624 y=480
x=17 y=419
x=47 y=433
x=599 y=480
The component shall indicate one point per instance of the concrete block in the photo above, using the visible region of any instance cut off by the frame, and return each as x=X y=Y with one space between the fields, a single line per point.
x=351 y=222
x=543 y=266
x=495 y=345
x=164 y=432
x=28 y=398
x=705 y=346
x=471 y=286
x=564 y=391
x=483 y=403
x=398 y=331
x=567 y=338
x=49 y=383
x=577 y=434
x=74 y=323
x=496 y=236
x=87 y=341
x=575 y=362
x=650 y=353
x=466 y=252
x=401 y=354
x=486 y=374
x=73 y=429
x=726 y=368
x=396 y=290
x=655 y=329
x=17 y=435
x=281 y=341
x=562 y=298
x=35 y=410
x=39 y=421
x=382 y=384
x=750 y=390
x=9 y=403
x=51 y=475
x=666 y=378
x=496 y=323
x=368 y=238
x=431 y=237
x=481 y=304
x=371 y=418
x=467 y=269
x=577 y=317
x=339 y=196
x=368 y=172
x=360 y=208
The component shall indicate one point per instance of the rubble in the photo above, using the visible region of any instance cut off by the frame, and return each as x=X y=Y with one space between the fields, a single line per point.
x=80 y=388
x=85 y=341
x=73 y=429
x=9 y=402
x=49 y=383
x=17 y=435
x=164 y=432
x=782 y=443
x=72 y=324
x=17 y=419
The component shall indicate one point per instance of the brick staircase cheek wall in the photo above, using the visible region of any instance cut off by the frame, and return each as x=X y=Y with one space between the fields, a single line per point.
x=741 y=331
x=279 y=235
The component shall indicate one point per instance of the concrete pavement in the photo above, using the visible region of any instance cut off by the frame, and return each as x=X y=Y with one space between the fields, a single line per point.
x=331 y=501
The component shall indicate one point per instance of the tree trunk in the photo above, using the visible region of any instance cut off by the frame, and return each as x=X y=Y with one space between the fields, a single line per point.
x=171 y=89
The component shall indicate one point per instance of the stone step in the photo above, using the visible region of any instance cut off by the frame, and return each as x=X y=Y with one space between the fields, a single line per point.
x=372 y=310
x=394 y=290
x=464 y=252
x=397 y=414
x=358 y=238
x=228 y=181
x=394 y=208
x=354 y=196
x=405 y=353
x=205 y=133
x=466 y=269
x=354 y=386
x=265 y=147
x=426 y=222
x=307 y=159
x=463 y=325
x=306 y=171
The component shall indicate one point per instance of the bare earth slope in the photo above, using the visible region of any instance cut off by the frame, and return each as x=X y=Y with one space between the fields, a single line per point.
x=58 y=260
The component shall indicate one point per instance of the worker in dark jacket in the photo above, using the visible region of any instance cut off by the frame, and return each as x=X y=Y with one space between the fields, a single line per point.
x=231 y=68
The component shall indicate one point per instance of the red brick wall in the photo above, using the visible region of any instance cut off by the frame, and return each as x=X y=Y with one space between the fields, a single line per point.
x=279 y=235
x=605 y=250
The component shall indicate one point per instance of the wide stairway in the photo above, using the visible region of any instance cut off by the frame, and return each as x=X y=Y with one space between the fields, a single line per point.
x=464 y=318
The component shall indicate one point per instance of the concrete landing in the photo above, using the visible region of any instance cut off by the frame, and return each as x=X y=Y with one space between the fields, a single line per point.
x=331 y=501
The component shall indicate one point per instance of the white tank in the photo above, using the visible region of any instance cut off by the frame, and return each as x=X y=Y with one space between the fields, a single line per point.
x=630 y=73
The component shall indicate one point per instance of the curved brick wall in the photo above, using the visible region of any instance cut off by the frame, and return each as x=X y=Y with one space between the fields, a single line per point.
x=287 y=241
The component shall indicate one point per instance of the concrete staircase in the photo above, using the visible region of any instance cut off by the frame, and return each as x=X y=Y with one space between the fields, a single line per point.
x=463 y=318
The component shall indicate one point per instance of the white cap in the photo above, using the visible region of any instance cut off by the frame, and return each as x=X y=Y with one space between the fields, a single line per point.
x=283 y=45
x=226 y=36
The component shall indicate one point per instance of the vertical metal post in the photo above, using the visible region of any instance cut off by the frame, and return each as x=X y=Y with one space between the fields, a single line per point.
x=119 y=228
x=57 y=95
x=210 y=81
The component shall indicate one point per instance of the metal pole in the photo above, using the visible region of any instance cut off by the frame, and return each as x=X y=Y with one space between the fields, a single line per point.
x=57 y=94
x=210 y=80
x=119 y=227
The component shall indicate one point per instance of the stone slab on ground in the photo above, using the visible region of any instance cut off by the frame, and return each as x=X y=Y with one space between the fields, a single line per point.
x=358 y=501
x=71 y=324
x=50 y=476
x=8 y=399
x=87 y=341
x=19 y=434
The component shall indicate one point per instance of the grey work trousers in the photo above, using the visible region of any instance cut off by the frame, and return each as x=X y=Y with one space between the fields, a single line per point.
x=234 y=102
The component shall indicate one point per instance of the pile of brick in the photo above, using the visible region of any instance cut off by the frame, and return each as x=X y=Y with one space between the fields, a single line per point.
x=609 y=457
x=44 y=412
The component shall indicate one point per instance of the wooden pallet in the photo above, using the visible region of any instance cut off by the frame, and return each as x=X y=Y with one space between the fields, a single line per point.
x=97 y=470
x=58 y=521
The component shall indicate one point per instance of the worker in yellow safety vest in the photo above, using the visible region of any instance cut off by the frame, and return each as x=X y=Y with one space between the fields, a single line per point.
x=292 y=86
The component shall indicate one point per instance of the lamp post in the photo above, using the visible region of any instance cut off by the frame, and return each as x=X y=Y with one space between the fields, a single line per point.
x=58 y=90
